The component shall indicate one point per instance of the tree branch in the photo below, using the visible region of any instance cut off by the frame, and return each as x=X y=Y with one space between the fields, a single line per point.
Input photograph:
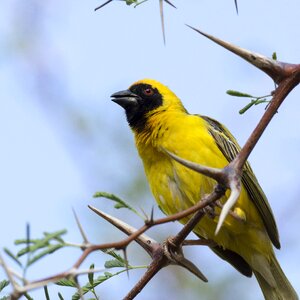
x=287 y=76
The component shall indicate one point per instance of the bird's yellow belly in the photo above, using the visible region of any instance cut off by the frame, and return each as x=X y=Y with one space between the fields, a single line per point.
x=176 y=188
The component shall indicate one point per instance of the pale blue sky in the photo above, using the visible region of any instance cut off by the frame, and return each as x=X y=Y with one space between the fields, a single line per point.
x=62 y=138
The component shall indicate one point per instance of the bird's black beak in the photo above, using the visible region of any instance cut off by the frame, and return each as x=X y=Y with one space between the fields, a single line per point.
x=125 y=99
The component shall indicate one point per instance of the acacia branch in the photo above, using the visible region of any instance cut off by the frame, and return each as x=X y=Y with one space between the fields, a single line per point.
x=275 y=69
x=153 y=248
x=172 y=252
x=287 y=76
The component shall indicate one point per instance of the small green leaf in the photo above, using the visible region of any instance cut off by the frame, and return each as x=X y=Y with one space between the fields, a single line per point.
x=55 y=235
x=274 y=56
x=120 y=203
x=5 y=298
x=261 y=101
x=112 y=197
x=42 y=243
x=91 y=275
x=115 y=255
x=25 y=241
x=3 y=284
x=238 y=94
x=88 y=287
x=60 y=296
x=51 y=249
x=24 y=251
x=12 y=256
x=56 y=238
x=67 y=282
x=114 y=263
x=243 y=110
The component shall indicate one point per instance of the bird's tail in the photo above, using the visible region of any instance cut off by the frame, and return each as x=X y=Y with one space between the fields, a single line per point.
x=272 y=280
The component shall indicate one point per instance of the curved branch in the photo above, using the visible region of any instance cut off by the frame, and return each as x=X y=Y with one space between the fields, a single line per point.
x=277 y=70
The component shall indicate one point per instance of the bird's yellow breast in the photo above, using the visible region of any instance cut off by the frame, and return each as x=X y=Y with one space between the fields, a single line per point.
x=176 y=187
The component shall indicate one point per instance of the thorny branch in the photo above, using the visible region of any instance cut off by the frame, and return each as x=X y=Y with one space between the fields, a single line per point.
x=287 y=77
x=153 y=248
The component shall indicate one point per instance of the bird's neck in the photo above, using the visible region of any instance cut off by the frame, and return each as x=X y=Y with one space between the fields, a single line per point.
x=158 y=128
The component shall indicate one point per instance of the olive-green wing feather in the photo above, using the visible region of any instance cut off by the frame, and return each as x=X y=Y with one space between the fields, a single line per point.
x=230 y=148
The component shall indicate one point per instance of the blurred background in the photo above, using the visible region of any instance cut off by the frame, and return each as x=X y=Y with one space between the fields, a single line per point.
x=62 y=139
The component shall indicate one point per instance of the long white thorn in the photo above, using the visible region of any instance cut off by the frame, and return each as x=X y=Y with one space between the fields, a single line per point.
x=126 y=228
x=235 y=188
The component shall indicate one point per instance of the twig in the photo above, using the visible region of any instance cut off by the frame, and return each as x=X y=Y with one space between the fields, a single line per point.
x=83 y=234
x=236 y=6
x=102 y=5
x=159 y=261
x=161 y=11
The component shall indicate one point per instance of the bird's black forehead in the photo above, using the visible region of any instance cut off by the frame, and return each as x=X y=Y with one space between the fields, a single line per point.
x=139 y=87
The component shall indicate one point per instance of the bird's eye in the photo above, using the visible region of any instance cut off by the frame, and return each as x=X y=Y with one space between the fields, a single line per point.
x=148 y=92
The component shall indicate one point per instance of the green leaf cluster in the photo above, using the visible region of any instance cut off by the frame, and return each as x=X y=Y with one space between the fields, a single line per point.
x=254 y=100
x=119 y=202
x=38 y=248
x=3 y=284
x=32 y=250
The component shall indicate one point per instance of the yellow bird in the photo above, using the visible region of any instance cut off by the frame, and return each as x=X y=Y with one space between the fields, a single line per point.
x=159 y=121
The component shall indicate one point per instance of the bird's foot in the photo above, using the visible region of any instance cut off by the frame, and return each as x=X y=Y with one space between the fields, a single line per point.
x=209 y=210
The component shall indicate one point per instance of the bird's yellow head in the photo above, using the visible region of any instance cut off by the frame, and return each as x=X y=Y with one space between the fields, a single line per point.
x=145 y=98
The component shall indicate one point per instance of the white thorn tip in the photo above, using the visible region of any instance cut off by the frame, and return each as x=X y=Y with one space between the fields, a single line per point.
x=234 y=195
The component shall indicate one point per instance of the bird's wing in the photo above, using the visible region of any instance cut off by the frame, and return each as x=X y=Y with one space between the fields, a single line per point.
x=230 y=148
x=234 y=259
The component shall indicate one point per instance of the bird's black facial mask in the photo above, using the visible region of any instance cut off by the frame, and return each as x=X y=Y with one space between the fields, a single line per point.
x=137 y=102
